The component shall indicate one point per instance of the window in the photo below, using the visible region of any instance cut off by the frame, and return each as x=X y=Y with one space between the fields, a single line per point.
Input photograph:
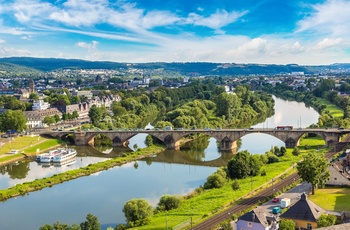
x=309 y=226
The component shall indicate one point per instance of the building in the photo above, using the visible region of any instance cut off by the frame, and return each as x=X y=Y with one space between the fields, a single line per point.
x=82 y=109
x=257 y=219
x=40 y=105
x=304 y=213
x=35 y=118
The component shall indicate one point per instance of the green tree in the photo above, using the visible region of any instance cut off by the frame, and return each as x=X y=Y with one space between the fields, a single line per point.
x=313 y=169
x=326 y=220
x=13 y=119
x=243 y=164
x=296 y=151
x=286 y=225
x=214 y=181
x=137 y=212
x=149 y=140
x=168 y=202
x=34 y=96
x=49 y=120
x=91 y=223
x=96 y=114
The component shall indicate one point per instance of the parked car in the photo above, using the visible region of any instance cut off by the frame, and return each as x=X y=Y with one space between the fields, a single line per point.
x=276 y=200
x=276 y=210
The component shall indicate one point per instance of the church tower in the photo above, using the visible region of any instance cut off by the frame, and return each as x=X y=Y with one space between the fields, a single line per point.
x=31 y=86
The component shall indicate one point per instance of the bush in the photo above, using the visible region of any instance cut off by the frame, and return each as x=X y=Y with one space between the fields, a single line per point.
x=214 y=181
x=168 y=202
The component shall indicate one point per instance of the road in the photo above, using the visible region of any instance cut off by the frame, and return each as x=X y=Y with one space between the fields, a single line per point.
x=261 y=196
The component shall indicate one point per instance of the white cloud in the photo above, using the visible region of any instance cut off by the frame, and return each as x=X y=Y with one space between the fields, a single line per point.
x=331 y=17
x=327 y=42
x=8 y=52
x=89 y=46
x=217 y=20
x=2 y=41
x=28 y=10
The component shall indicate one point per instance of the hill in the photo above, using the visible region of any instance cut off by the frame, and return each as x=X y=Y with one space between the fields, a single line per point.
x=183 y=68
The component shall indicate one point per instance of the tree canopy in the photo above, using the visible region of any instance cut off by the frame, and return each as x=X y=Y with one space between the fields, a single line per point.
x=137 y=212
x=313 y=169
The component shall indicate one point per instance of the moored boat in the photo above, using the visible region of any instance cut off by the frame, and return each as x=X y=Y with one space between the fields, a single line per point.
x=65 y=155
x=57 y=155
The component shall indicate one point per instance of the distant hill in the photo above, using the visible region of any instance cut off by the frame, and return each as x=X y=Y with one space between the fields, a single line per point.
x=183 y=68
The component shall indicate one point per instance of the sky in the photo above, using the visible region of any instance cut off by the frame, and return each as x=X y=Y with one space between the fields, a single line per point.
x=304 y=32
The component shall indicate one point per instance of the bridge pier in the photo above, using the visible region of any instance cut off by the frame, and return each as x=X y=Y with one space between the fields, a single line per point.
x=228 y=146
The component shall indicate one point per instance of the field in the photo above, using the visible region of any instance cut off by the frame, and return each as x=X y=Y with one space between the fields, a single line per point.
x=337 y=199
x=334 y=110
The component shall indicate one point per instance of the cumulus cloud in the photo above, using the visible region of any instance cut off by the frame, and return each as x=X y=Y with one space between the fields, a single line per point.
x=8 y=52
x=327 y=42
x=89 y=46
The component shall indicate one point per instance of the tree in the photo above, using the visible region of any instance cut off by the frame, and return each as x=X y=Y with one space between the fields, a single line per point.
x=243 y=164
x=34 y=96
x=326 y=220
x=148 y=140
x=168 y=202
x=96 y=114
x=49 y=120
x=91 y=223
x=137 y=212
x=296 y=151
x=214 y=181
x=13 y=119
x=286 y=225
x=313 y=169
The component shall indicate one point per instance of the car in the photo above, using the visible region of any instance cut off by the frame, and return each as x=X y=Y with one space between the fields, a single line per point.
x=276 y=200
x=276 y=210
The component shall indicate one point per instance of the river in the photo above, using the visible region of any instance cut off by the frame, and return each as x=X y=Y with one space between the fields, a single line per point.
x=103 y=194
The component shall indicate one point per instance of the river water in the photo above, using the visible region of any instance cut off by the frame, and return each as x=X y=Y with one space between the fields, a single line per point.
x=103 y=194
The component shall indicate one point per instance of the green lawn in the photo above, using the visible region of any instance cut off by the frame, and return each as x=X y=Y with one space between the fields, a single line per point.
x=334 y=110
x=337 y=199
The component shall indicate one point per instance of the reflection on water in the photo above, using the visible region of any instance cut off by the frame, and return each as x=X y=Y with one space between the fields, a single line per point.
x=103 y=194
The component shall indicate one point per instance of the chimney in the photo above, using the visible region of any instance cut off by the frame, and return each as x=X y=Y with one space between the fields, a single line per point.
x=253 y=216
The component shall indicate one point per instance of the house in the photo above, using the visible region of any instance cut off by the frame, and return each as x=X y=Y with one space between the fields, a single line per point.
x=257 y=219
x=304 y=213
x=35 y=118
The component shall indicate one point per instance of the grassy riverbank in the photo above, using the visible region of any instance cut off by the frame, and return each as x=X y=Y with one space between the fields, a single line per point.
x=27 y=146
x=203 y=203
x=22 y=189
x=334 y=110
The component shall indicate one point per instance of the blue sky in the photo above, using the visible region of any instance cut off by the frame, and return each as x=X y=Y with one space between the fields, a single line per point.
x=307 y=32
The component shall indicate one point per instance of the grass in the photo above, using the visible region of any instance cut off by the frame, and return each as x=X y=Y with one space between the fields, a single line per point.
x=337 y=199
x=27 y=145
x=334 y=110
x=200 y=205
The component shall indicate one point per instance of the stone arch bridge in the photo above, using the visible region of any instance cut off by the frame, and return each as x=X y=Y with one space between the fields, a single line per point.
x=227 y=137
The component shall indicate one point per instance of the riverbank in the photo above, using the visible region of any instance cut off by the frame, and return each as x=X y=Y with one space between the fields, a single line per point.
x=201 y=204
x=27 y=146
x=22 y=189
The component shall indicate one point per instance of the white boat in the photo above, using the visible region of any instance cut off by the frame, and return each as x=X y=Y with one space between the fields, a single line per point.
x=55 y=155
x=65 y=155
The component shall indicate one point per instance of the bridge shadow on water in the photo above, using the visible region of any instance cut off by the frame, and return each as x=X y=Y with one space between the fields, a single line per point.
x=181 y=157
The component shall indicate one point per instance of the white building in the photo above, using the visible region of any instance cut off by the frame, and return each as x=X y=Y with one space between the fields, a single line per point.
x=40 y=105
